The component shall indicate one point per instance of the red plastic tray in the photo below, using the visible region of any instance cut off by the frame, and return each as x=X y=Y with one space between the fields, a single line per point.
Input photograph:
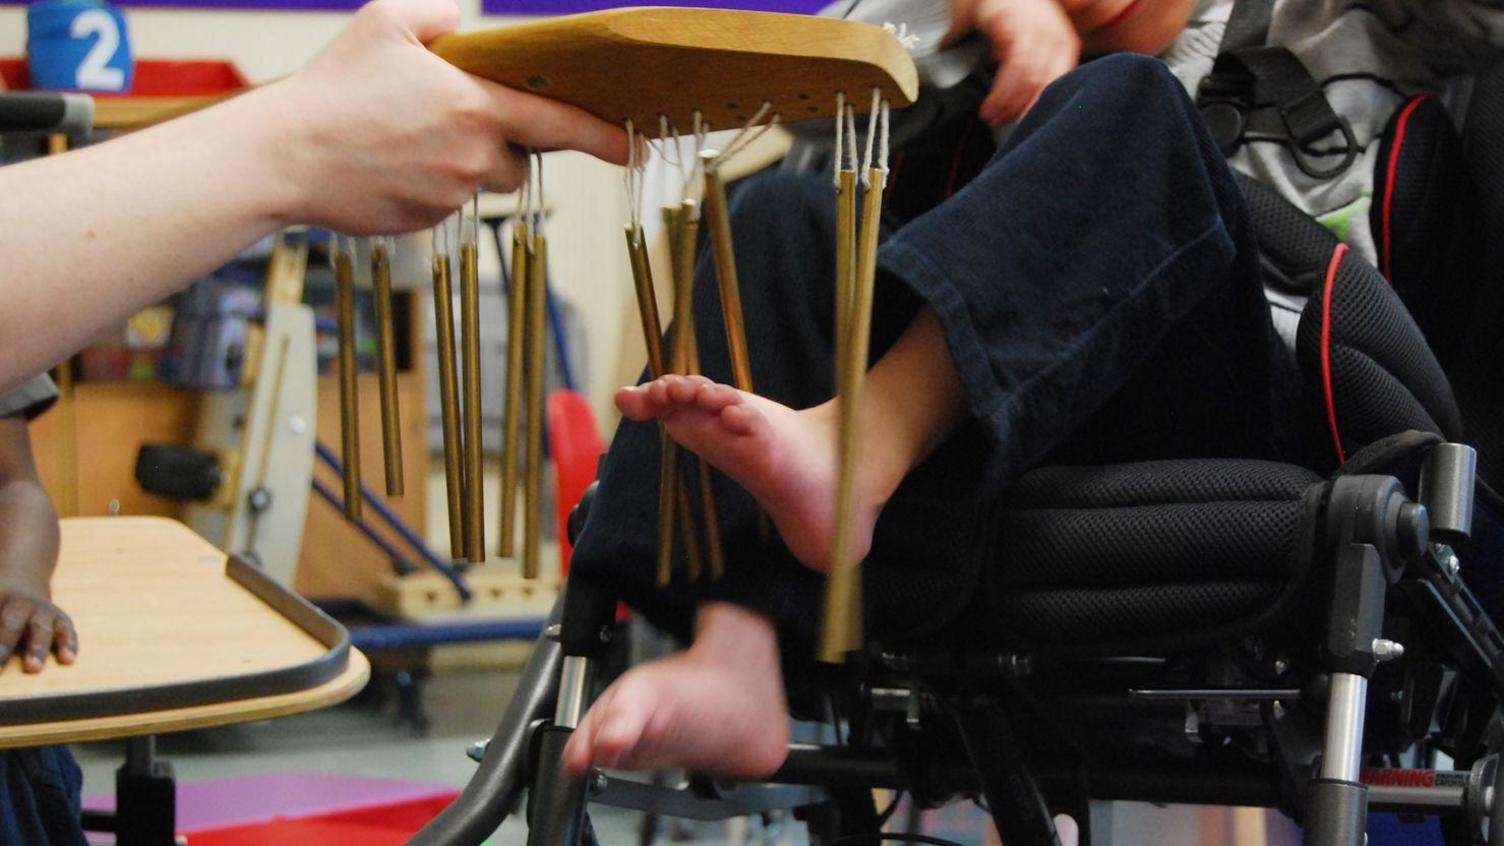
x=154 y=78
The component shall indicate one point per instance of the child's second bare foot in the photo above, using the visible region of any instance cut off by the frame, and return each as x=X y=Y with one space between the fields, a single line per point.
x=785 y=458
x=717 y=709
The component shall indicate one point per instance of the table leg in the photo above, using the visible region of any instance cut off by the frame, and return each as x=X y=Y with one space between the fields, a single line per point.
x=145 y=797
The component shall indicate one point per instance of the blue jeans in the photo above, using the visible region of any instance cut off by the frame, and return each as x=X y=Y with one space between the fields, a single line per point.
x=39 y=797
x=1098 y=287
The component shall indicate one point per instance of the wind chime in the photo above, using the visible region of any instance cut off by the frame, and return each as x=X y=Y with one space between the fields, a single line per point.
x=673 y=70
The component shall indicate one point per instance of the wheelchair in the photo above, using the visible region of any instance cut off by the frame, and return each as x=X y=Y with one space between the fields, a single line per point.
x=1201 y=631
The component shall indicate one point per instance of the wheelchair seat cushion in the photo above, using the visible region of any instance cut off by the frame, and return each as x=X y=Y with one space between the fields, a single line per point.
x=1155 y=552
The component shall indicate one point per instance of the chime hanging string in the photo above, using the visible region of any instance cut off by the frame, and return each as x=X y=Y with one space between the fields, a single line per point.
x=342 y=252
x=449 y=399
x=537 y=294
x=842 y=625
x=382 y=249
x=513 y=390
x=468 y=235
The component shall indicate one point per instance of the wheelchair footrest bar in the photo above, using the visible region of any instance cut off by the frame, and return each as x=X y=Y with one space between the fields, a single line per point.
x=1417 y=791
x=740 y=800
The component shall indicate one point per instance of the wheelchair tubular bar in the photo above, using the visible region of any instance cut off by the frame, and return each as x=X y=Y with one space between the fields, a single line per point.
x=1447 y=481
x=1437 y=792
x=741 y=800
x=573 y=685
x=1343 y=751
x=556 y=801
x=493 y=791
x=1192 y=783
x=1372 y=533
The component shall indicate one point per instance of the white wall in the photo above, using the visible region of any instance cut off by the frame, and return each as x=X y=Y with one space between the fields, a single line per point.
x=586 y=252
x=264 y=45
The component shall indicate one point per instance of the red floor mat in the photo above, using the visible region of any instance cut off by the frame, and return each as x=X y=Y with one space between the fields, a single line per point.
x=382 y=825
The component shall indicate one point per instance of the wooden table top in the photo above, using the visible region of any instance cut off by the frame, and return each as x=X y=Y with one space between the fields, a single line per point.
x=153 y=606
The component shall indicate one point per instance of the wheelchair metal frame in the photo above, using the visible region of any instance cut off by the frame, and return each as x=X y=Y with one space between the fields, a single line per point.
x=1375 y=543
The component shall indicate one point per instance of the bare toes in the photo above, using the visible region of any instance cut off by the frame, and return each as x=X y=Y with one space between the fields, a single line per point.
x=741 y=419
x=714 y=398
x=636 y=403
x=682 y=390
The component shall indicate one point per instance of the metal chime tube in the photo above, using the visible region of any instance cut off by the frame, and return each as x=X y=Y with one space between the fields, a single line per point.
x=652 y=335
x=511 y=423
x=842 y=629
x=449 y=400
x=845 y=280
x=719 y=220
x=475 y=537
x=689 y=222
x=533 y=491
x=386 y=360
x=678 y=362
x=349 y=402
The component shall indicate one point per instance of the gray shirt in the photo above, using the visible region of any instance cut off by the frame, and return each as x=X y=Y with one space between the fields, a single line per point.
x=31 y=399
x=1368 y=57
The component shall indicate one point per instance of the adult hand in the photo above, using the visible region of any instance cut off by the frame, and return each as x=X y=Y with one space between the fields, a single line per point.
x=30 y=624
x=383 y=136
x=1035 y=43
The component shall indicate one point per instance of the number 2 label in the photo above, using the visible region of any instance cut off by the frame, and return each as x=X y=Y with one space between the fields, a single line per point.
x=94 y=71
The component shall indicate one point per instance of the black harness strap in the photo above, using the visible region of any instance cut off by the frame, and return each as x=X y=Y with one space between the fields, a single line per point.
x=1248 y=71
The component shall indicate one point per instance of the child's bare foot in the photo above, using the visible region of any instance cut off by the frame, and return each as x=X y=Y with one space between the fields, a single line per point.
x=785 y=458
x=717 y=709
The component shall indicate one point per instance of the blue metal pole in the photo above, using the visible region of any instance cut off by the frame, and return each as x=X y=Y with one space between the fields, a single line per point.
x=327 y=456
x=402 y=565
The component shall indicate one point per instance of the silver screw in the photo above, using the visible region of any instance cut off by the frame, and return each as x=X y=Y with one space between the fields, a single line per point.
x=1387 y=650
x=553 y=632
x=1450 y=563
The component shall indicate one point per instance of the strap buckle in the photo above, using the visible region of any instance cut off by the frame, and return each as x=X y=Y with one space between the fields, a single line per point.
x=1310 y=118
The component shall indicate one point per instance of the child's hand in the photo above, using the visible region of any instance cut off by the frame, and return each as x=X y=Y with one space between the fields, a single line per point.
x=1035 y=44
x=31 y=624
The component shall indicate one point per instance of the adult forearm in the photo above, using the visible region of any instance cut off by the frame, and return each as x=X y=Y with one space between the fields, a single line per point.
x=29 y=535
x=116 y=226
x=375 y=135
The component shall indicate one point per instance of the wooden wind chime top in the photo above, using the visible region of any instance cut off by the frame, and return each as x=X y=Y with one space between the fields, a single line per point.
x=644 y=63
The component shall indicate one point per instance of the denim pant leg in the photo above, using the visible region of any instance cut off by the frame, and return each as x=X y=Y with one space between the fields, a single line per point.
x=40 y=797
x=783 y=230
x=1102 y=255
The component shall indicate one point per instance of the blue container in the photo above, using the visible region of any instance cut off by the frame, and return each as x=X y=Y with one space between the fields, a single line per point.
x=78 y=45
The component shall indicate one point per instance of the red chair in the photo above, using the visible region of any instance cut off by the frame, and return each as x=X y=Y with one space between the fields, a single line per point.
x=575 y=442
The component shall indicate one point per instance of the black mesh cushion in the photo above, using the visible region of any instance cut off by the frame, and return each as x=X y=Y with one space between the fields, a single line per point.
x=1293 y=247
x=1137 y=552
x=1478 y=370
x=1383 y=378
x=1424 y=215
